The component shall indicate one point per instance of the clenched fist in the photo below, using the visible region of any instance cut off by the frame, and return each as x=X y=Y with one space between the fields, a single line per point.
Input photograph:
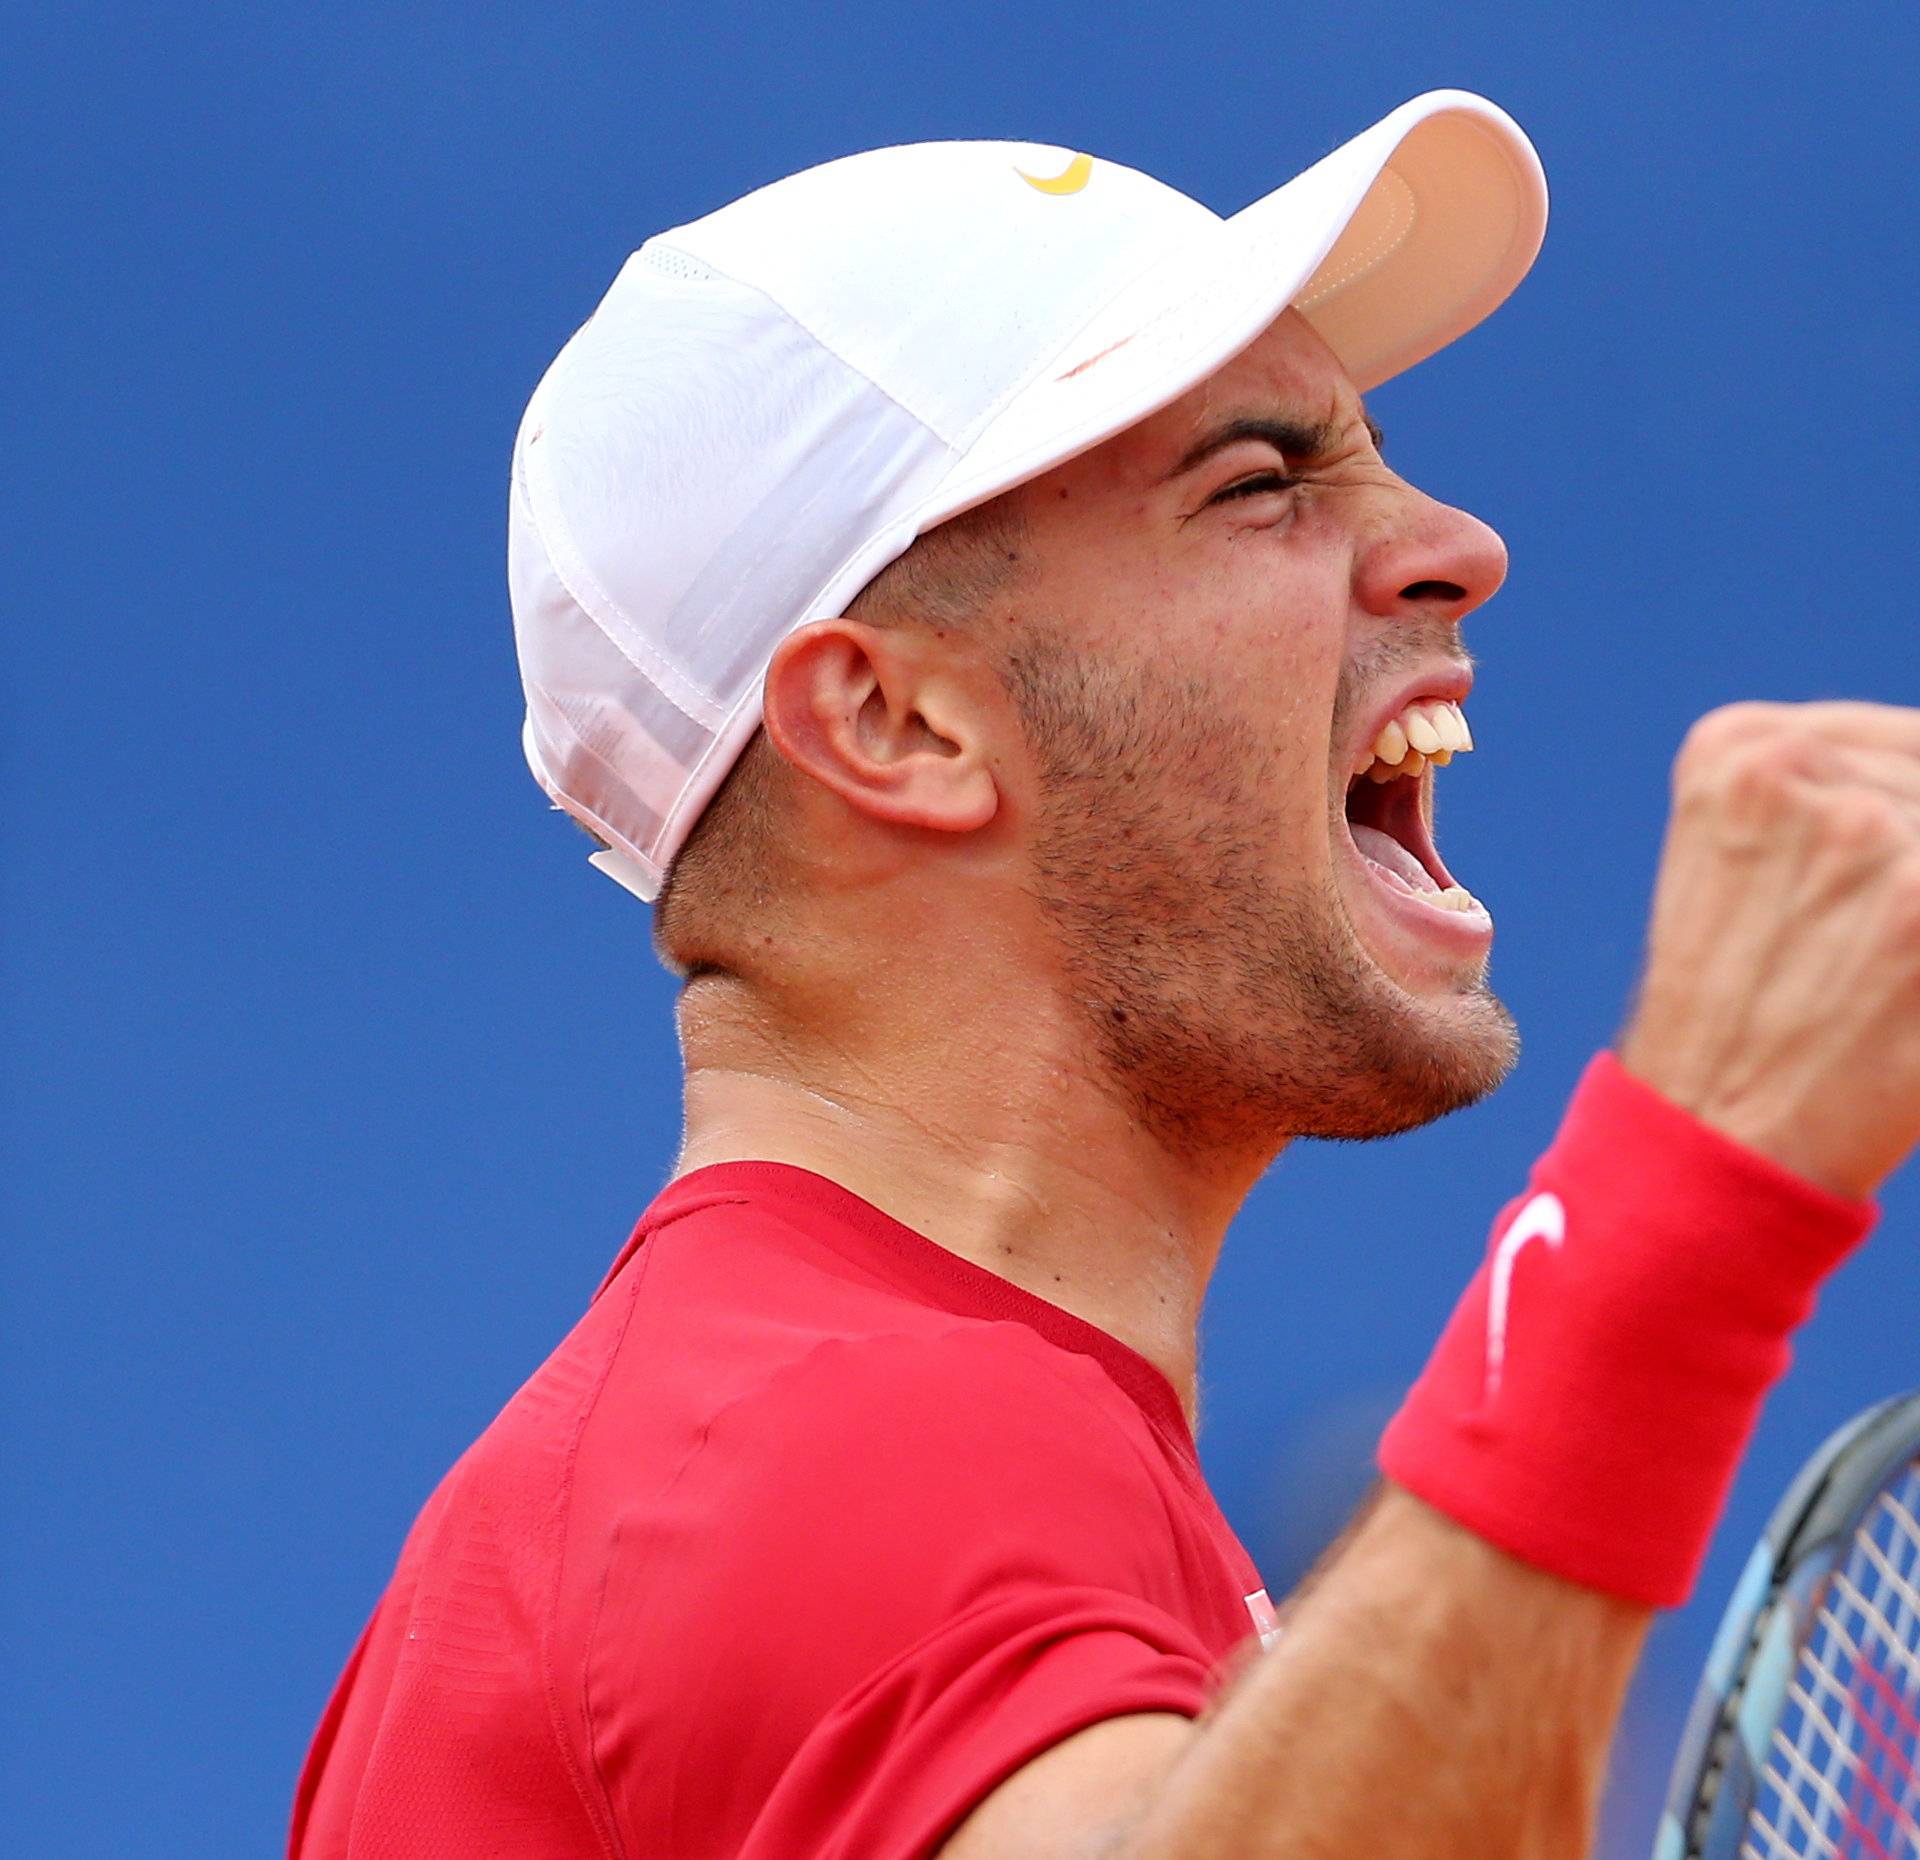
x=1781 y=1001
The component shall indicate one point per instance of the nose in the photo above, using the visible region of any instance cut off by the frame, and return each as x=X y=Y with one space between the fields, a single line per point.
x=1430 y=559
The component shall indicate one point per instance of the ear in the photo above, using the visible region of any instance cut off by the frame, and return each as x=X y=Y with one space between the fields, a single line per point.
x=875 y=716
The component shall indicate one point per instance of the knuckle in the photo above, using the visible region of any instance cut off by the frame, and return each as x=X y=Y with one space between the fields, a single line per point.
x=1757 y=776
x=1738 y=721
x=1862 y=821
x=1756 y=763
x=1721 y=733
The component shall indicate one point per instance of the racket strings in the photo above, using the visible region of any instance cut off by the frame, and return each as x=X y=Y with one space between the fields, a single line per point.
x=1842 y=1777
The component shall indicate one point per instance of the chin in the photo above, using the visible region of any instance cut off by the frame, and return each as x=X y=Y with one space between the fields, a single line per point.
x=1325 y=1044
x=1398 y=1011
x=1411 y=1062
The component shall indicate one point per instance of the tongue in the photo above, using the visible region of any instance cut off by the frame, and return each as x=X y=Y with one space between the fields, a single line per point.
x=1387 y=853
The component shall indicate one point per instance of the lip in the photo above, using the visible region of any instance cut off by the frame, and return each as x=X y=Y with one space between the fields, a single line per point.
x=1462 y=935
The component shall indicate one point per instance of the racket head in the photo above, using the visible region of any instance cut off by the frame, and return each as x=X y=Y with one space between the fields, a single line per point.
x=1804 y=1737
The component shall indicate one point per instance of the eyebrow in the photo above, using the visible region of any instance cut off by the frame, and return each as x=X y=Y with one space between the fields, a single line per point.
x=1298 y=439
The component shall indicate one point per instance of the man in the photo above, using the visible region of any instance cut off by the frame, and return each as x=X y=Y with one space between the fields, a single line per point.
x=1085 y=857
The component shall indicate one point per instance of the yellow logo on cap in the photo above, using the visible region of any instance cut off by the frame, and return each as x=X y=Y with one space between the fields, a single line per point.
x=1070 y=180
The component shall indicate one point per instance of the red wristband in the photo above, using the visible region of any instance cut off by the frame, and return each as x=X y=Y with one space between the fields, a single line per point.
x=1591 y=1397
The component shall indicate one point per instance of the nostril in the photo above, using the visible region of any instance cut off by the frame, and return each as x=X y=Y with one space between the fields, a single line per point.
x=1433 y=591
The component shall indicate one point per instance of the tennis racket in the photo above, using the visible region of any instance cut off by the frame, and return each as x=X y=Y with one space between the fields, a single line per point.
x=1804 y=1738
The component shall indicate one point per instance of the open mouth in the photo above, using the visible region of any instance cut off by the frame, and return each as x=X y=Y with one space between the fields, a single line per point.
x=1389 y=807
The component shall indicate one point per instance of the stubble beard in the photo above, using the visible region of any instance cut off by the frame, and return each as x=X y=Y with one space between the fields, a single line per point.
x=1229 y=1011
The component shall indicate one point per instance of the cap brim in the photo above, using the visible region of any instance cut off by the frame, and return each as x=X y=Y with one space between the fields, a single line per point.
x=1395 y=244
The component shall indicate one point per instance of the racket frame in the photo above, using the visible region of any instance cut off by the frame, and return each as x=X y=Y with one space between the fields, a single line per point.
x=1722 y=1754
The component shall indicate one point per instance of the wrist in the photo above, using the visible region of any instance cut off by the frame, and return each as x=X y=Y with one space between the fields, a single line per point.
x=1588 y=1402
x=1765 y=1119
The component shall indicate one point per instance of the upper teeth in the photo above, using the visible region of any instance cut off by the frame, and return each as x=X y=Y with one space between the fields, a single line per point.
x=1421 y=733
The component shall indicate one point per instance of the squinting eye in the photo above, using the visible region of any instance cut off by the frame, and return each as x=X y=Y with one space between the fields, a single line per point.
x=1252 y=487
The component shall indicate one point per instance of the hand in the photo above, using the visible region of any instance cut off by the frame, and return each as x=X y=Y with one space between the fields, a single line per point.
x=1781 y=1001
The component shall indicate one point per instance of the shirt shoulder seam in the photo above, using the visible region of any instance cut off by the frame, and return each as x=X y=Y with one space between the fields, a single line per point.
x=597 y=1797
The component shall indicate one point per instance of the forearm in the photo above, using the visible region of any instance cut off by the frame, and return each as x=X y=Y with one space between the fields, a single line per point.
x=1430 y=1696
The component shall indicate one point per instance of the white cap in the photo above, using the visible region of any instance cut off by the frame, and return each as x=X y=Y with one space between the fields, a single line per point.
x=772 y=402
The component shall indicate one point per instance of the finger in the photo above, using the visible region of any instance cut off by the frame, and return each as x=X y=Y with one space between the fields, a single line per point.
x=1891 y=728
x=1880 y=770
x=1785 y=789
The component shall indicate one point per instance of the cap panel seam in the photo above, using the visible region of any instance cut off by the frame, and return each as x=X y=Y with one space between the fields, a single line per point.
x=647 y=665
x=1159 y=257
x=982 y=419
x=812 y=335
x=607 y=614
x=577 y=807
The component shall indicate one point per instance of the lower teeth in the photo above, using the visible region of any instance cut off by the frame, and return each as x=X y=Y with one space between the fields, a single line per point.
x=1454 y=898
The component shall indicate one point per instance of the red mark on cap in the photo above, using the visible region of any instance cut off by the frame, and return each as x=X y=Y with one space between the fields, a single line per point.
x=1080 y=368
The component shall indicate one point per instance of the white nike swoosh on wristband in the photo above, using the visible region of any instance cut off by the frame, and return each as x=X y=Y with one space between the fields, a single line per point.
x=1543 y=1218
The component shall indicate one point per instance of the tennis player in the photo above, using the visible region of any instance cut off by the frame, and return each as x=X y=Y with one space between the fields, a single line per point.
x=961 y=586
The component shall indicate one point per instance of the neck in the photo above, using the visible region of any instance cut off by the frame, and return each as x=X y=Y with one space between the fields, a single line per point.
x=992 y=1135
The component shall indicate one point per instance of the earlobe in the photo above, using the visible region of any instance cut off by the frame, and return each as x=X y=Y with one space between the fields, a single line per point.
x=867 y=714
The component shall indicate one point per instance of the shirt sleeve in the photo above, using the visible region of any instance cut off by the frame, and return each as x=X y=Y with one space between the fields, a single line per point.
x=887 y=1580
x=898 y=1763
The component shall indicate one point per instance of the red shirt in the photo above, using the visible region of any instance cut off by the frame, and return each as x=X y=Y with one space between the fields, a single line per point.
x=807 y=1536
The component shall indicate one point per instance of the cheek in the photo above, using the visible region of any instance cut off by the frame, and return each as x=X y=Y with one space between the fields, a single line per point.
x=1291 y=660
x=1270 y=656
x=1256 y=626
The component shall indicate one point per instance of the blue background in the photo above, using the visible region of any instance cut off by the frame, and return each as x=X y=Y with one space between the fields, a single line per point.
x=334 y=1077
